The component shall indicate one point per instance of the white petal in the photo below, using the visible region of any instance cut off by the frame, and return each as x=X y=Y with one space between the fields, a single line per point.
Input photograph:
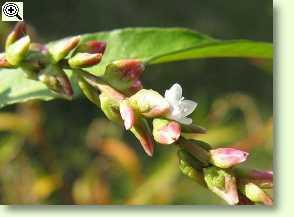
x=187 y=107
x=186 y=121
x=174 y=94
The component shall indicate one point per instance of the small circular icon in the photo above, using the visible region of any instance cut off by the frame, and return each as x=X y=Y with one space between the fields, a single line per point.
x=11 y=10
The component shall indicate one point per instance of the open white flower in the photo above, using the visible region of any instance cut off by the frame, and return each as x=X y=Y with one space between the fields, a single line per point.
x=179 y=107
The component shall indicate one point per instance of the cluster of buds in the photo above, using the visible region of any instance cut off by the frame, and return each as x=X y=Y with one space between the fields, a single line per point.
x=215 y=169
x=47 y=63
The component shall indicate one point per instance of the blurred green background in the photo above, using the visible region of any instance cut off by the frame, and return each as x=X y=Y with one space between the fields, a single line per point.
x=62 y=152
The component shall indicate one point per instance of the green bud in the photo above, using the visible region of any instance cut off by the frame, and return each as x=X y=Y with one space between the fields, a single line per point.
x=110 y=108
x=18 y=32
x=83 y=60
x=62 y=48
x=124 y=75
x=3 y=61
x=16 y=52
x=222 y=183
x=149 y=103
x=190 y=166
x=90 y=92
x=257 y=195
x=56 y=80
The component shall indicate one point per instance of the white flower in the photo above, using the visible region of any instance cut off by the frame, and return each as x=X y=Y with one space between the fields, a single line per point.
x=179 y=107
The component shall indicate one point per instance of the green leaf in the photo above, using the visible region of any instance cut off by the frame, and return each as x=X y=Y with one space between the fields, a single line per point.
x=151 y=45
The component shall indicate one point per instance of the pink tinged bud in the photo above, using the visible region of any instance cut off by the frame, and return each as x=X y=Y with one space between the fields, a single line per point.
x=18 y=32
x=56 y=80
x=124 y=75
x=131 y=69
x=61 y=49
x=257 y=195
x=149 y=103
x=83 y=60
x=166 y=132
x=93 y=47
x=127 y=115
x=142 y=132
x=227 y=157
x=3 y=62
x=222 y=183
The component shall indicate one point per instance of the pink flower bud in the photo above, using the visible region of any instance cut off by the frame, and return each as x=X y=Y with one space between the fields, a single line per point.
x=166 y=132
x=127 y=115
x=131 y=69
x=61 y=49
x=93 y=47
x=227 y=157
x=83 y=60
x=125 y=75
x=149 y=103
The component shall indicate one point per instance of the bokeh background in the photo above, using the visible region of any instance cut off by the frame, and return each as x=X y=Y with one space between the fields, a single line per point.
x=62 y=152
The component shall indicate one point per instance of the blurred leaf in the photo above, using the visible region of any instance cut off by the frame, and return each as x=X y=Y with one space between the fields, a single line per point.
x=9 y=148
x=152 y=45
x=157 y=188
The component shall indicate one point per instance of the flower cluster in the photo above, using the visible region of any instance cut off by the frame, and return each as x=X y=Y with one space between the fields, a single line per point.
x=150 y=116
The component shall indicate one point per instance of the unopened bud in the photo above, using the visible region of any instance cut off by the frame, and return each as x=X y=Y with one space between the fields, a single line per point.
x=227 y=157
x=83 y=60
x=142 y=132
x=90 y=92
x=18 y=31
x=16 y=52
x=124 y=75
x=56 y=79
x=110 y=108
x=92 y=47
x=165 y=131
x=127 y=114
x=149 y=103
x=257 y=195
x=222 y=183
x=61 y=49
